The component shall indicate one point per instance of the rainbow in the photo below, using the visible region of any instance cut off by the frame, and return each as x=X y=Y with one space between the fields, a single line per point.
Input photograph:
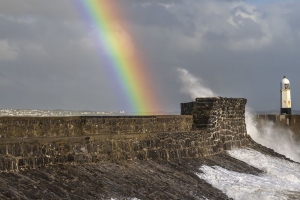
x=122 y=59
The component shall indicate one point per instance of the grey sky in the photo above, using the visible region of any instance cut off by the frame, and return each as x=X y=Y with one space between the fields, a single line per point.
x=49 y=60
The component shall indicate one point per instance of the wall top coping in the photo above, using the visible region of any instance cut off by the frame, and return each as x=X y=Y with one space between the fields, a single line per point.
x=213 y=99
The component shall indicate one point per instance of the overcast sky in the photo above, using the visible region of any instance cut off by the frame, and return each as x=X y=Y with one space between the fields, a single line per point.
x=49 y=59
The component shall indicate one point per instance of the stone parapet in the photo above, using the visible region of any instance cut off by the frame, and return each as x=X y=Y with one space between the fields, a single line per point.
x=222 y=118
x=23 y=154
x=29 y=127
x=214 y=111
x=208 y=126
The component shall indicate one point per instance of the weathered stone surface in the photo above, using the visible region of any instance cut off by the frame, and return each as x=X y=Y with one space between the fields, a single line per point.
x=28 y=127
x=142 y=179
x=222 y=118
x=35 y=142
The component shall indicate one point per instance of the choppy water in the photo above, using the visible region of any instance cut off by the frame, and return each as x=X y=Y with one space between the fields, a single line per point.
x=280 y=180
x=280 y=139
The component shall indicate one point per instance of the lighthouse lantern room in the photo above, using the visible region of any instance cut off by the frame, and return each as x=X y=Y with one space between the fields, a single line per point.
x=285 y=90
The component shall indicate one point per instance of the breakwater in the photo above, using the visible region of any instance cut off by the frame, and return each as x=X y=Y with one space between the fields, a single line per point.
x=207 y=126
x=291 y=122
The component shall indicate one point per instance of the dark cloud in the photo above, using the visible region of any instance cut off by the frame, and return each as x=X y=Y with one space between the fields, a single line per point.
x=49 y=58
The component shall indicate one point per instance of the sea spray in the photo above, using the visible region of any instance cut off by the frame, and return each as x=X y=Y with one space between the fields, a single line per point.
x=279 y=139
x=193 y=86
x=280 y=180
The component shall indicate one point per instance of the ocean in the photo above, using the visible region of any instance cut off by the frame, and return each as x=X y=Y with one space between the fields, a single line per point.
x=280 y=178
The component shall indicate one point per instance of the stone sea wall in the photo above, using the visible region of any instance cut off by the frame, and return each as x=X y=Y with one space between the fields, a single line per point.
x=288 y=120
x=207 y=126
x=222 y=118
x=291 y=122
x=28 y=127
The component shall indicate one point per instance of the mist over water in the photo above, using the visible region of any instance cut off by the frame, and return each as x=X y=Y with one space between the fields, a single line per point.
x=279 y=139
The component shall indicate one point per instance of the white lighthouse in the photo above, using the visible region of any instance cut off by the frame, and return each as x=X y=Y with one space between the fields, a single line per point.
x=285 y=90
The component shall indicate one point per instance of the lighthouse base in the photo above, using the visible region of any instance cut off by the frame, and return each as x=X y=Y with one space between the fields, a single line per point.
x=287 y=111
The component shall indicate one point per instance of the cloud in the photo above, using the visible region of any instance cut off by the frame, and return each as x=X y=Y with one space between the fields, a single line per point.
x=55 y=9
x=233 y=45
x=8 y=51
x=49 y=51
x=235 y=25
x=34 y=50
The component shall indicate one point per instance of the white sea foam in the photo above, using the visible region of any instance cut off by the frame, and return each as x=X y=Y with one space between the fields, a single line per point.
x=279 y=139
x=281 y=179
x=276 y=167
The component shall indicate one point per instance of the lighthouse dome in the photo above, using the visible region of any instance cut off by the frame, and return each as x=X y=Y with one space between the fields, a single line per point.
x=285 y=83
